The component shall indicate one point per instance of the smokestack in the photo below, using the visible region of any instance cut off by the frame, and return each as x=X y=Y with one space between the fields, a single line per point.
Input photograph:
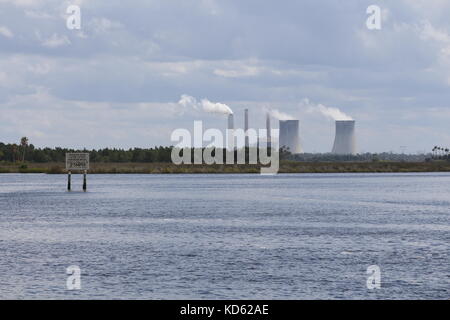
x=290 y=135
x=246 y=128
x=345 y=140
x=269 y=134
x=231 y=121
x=230 y=139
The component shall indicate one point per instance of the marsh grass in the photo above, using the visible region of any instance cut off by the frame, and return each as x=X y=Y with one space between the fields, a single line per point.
x=285 y=167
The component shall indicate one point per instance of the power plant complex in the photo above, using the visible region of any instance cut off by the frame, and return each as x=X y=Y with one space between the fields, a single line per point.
x=289 y=135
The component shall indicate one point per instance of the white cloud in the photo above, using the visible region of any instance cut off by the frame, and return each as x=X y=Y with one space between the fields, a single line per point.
x=429 y=32
x=35 y=14
x=50 y=121
x=428 y=8
x=239 y=69
x=246 y=71
x=3 y=78
x=103 y=25
x=23 y=3
x=4 y=31
x=55 y=41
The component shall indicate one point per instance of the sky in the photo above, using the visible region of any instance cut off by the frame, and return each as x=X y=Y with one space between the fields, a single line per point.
x=118 y=80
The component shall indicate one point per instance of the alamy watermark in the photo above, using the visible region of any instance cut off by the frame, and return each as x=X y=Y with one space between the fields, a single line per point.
x=233 y=144
x=74 y=279
x=374 y=20
x=374 y=278
x=73 y=21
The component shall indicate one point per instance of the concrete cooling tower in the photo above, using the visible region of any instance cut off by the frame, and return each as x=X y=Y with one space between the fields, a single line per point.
x=345 y=141
x=290 y=135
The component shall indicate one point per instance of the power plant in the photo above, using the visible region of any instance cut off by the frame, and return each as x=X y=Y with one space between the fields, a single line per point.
x=290 y=136
x=345 y=140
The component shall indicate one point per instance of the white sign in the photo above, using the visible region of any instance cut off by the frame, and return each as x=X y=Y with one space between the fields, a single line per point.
x=77 y=161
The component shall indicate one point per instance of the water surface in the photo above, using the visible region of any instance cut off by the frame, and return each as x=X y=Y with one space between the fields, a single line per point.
x=299 y=236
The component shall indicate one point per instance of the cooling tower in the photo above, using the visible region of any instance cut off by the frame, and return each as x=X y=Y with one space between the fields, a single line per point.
x=345 y=141
x=290 y=136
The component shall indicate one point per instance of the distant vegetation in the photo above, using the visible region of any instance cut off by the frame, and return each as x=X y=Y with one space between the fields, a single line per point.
x=25 y=158
x=25 y=152
x=441 y=153
x=285 y=167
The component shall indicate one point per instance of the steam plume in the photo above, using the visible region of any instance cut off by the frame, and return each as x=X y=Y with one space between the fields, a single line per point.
x=329 y=112
x=275 y=113
x=205 y=105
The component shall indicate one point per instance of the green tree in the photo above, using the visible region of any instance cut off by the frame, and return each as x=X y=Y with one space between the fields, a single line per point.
x=23 y=145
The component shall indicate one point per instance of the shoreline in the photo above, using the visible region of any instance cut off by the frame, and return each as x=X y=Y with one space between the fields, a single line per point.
x=285 y=167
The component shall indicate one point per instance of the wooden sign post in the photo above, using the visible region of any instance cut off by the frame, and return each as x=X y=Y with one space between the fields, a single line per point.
x=77 y=162
x=84 y=180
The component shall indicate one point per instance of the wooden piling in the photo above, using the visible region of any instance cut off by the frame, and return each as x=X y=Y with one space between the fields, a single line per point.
x=84 y=180
x=69 y=174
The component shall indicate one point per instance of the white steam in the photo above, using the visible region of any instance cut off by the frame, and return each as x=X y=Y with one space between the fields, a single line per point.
x=217 y=107
x=188 y=102
x=205 y=105
x=329 y=112
x=275 y=113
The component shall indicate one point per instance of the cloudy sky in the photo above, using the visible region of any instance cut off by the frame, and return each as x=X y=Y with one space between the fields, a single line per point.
x=117 y=81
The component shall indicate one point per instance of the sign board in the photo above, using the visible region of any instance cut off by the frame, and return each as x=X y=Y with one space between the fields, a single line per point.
x=77 y=161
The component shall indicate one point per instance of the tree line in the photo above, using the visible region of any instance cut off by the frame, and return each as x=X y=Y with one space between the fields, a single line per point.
x=28 y=152
x=25 y=152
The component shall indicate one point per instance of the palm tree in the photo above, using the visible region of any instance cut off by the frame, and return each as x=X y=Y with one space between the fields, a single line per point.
x=24 y=145
x=13 y=152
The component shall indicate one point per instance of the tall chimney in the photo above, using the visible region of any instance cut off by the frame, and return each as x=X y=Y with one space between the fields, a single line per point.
x=345 y=140
x=231 y=121
x=269 y=135
x=230 y=135
x=246 y=128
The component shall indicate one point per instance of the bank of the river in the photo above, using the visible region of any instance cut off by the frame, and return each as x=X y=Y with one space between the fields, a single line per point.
x=285 y=167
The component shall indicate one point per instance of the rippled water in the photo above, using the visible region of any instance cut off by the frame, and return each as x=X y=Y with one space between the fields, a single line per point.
x=226 y=236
